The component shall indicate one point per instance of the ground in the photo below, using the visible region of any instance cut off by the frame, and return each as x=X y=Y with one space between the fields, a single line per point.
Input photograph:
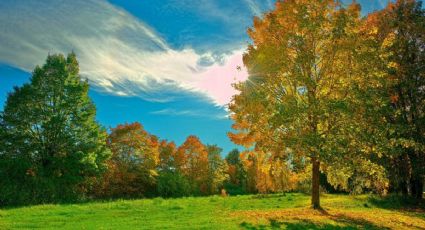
x=288 y=211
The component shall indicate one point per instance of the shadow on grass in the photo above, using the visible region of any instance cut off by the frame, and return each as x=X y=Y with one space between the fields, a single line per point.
x=342 y=223
x=267 y=196
x=70 y=202
x=397 y=202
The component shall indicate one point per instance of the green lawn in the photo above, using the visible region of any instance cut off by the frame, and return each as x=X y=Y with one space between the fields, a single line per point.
x=237 y=212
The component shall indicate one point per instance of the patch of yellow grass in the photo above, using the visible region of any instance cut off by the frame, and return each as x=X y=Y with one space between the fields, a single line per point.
x=373 y=218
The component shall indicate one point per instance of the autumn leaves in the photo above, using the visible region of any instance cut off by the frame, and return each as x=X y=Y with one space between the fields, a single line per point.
x=331 y=91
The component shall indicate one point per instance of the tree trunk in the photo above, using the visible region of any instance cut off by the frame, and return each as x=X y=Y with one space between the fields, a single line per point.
x=315 y=191
x=404 y=189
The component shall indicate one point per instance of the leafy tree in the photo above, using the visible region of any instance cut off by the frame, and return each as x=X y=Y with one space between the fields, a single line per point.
x=132 y=167
x=399 y=30
x=267 y=174
x=50 y=143
x=191 y=160
x=301 y=96
x=217 y=169
x=236 y=183
x=167 y=151
x=250 y=164
x=173 y=184
x=233 y=157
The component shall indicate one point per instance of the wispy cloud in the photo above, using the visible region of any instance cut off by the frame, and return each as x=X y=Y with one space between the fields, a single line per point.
x=190 y=113
x=122 y=55
x=118 y=53
x=270 y=3
x=253 y=7
x=383 y=3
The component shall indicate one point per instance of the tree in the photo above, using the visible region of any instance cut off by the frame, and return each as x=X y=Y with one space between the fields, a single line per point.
x=300 y=98
x=167 y=151
x=50 y=141
x=173 y=184
x=236 y=183
x=266 y=173
x=191 y=160
x=217 y=169
x=132 y=167
x=399 y=31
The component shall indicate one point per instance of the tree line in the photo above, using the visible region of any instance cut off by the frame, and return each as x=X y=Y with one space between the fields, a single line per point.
x=53 y=150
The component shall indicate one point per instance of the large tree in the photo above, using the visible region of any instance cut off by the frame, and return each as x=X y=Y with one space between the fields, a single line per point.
x=50 y=141
x=299 y=100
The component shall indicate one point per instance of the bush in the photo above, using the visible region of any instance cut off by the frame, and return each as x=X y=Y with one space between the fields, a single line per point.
x=172 y=184
x=233 y=189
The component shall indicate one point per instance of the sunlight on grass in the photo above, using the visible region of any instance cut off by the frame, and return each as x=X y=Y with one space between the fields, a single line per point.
x=289 y=211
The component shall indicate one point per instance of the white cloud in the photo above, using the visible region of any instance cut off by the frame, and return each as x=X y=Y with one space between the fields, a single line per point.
x=190 y=113
x=118 y=53
x=253 y=7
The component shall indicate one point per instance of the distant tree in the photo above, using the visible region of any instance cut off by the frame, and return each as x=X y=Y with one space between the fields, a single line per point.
x=50 y=143
x=167 y=151
x=132 y=167
x=236 y=183
x=191 y=160
x=250 y=164
x=233 y=157
x=173 y=184
x=217 y=169
x=267 y=174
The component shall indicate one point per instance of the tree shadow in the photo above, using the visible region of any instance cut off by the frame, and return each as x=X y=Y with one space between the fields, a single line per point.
x=343 y=222
x=268 y=196
x=397 y=202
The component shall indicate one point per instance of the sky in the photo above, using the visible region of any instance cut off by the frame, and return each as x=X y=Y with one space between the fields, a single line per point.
x=168 y=64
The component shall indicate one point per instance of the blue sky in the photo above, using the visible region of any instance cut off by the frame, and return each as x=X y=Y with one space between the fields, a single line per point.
x=168 y=64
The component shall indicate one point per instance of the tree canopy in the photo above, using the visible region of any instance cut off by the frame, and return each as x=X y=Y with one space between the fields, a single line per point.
x=50 y=141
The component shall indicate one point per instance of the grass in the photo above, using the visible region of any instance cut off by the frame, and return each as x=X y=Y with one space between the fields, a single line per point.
x=288 y=211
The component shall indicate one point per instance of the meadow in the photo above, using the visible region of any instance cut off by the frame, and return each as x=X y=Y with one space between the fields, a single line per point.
x=279 y=211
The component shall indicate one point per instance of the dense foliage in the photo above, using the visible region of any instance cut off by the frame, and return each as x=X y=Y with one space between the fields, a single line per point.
x=342 y=92
x=50 y=144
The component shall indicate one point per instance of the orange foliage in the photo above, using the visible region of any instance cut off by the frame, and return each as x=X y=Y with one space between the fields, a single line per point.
x=132 y=167
x=191 y=159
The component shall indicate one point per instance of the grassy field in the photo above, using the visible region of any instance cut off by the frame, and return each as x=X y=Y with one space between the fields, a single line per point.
x=290 y=211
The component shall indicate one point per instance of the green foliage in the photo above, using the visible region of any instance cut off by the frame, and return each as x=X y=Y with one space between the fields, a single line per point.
x=217 y=169
x=233 y=157
x=173 y=184
x=237 y=181
x=50 y=141
x=132 y=166
x=401 y=27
